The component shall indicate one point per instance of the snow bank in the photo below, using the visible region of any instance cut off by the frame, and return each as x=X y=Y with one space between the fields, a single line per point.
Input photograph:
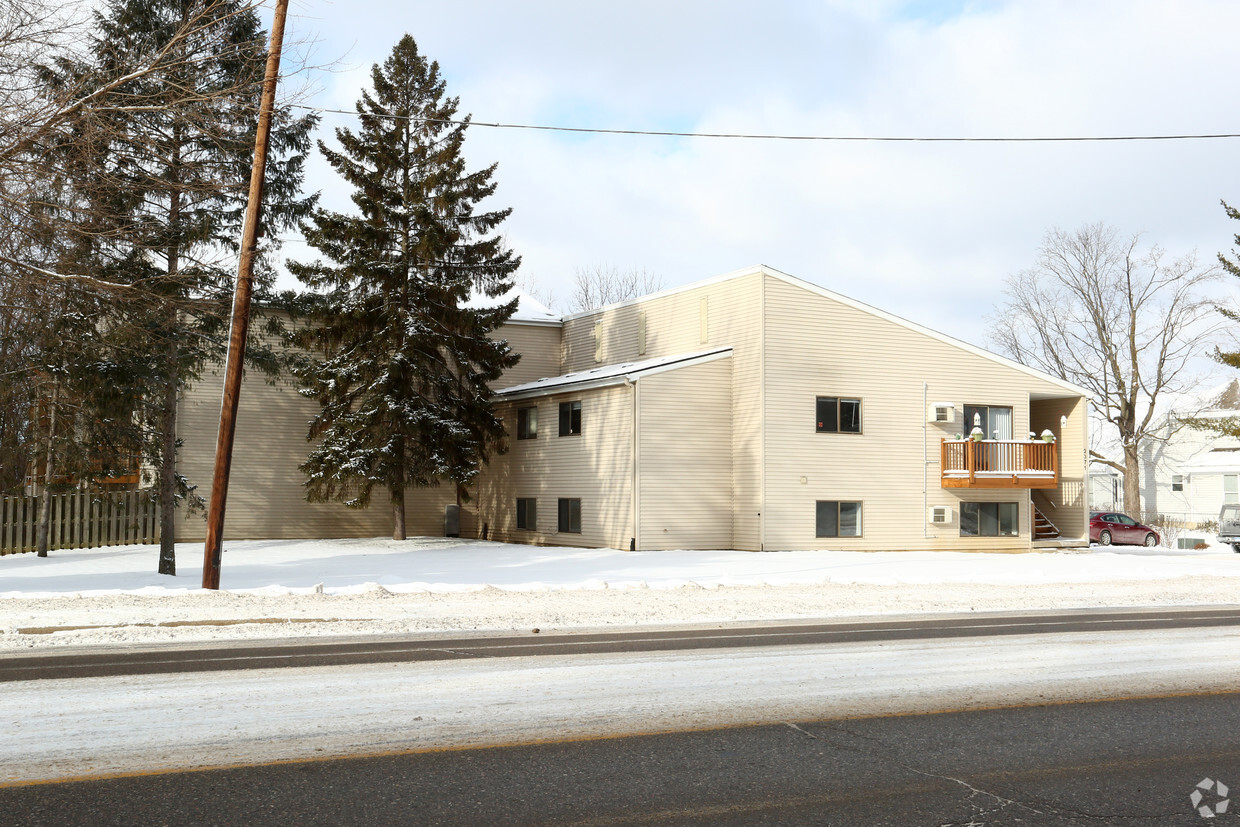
x=291 y=588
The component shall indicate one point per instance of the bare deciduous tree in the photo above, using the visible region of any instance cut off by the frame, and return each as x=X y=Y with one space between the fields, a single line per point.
x=1125 y=323
x=529 y=284
x=125 y=146
x=600 y=285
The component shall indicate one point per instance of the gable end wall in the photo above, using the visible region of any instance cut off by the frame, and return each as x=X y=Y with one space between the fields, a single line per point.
x=816 y=346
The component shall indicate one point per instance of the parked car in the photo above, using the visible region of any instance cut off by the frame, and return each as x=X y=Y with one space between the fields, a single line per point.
x=1111 y=527
x=1229 y=526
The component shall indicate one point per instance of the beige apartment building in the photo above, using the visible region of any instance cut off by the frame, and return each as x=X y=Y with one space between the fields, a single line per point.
x=753 y=411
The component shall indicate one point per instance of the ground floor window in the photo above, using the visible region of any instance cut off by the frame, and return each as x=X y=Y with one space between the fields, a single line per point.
x=570 y=516
x=989 y=519
x=527 y=513
x=837 y=519
x=1231 y=491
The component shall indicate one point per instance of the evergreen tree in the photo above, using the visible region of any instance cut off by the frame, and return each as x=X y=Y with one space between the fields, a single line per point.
x=1231 y=266
x=403 y=385
x=160 y=166
x=1228 y=426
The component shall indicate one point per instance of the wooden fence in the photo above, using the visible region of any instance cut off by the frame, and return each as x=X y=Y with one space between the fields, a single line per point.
x=80 y=519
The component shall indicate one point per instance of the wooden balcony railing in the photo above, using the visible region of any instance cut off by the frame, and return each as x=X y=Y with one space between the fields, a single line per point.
x=999 y=463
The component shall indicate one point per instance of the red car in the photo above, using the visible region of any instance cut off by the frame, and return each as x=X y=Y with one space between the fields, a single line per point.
x=1111 y=527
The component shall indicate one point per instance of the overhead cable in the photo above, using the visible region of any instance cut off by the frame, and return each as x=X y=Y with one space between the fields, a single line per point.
x=775 y=137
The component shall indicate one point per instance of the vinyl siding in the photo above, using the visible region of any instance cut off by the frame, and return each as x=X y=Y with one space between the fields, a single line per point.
x=728 y=454
x=1175 y=451
x=1068 y=505
x=673 y=324
x=685 y=458
x=539 y=346
x=594 y=466
x=266 y=499
x=1206 y=491
x=816 y=346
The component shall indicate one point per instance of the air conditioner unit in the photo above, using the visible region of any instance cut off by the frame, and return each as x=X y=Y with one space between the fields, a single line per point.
x=941 y=514
x=943 y=412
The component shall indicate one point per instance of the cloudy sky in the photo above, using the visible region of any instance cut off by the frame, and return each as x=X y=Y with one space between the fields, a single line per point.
x=927 y=231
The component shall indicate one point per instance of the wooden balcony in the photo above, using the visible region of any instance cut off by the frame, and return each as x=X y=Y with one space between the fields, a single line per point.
x=999 y=463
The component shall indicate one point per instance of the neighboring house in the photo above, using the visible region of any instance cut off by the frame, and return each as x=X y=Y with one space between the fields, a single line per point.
x=1188 y=473
x=753 y=411
x=1106 y=490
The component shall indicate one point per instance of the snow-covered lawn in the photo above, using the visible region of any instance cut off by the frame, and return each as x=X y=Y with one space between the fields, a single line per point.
x=138 y=723
x=285 y=588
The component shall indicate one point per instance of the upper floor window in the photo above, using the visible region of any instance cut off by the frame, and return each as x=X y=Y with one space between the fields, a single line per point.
x=570 y=418
x=527 y=423
x=838 y=415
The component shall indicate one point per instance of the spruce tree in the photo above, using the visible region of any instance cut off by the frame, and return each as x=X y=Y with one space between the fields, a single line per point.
x=1231 y=266
x=403 y=382
x=159 y=166
x=1228 y=426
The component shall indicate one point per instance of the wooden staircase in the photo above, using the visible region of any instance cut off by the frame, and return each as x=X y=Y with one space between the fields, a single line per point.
x=1043 y=528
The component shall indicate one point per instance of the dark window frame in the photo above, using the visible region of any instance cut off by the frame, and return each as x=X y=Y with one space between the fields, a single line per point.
x=524 y=429
x=837 y=415
x=988 y=431
x=527 y=513
x=570 y=418
x=568 y=515
x=976 y=516
x=821 y=511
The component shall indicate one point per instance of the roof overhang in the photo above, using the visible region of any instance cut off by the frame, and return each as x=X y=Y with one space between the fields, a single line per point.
x=609 y=375
x=1068 y=388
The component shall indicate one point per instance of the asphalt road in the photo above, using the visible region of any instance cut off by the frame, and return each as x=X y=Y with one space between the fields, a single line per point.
x=396 y=649
x=1111 y=763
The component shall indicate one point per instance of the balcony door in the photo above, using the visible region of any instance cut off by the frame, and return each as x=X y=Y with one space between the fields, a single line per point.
x=995 y=422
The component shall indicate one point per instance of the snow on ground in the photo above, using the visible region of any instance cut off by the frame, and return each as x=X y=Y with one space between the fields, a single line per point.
x=138 y=723
x=295 y=588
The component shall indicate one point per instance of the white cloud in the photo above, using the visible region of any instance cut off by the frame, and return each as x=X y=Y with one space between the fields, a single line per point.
x=928 y=231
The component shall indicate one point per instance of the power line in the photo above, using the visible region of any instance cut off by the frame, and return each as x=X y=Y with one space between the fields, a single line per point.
x=772 y=137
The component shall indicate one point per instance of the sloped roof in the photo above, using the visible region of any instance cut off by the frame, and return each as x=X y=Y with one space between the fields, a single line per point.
x=1222 y=460
x=606 y=375
x=529 y=309
x=853 y=303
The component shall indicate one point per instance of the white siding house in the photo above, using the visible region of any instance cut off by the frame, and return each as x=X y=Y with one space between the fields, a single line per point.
x=753 y=411
x=1188 y=473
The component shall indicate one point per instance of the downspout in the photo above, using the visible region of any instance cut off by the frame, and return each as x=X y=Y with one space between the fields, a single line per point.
x=761 y=414
x=925 y=460
x=1082 y=407
x=632 y=384
x=1030 y=506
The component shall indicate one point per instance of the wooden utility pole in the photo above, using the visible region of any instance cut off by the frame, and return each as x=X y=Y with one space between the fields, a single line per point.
x=213 y=548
